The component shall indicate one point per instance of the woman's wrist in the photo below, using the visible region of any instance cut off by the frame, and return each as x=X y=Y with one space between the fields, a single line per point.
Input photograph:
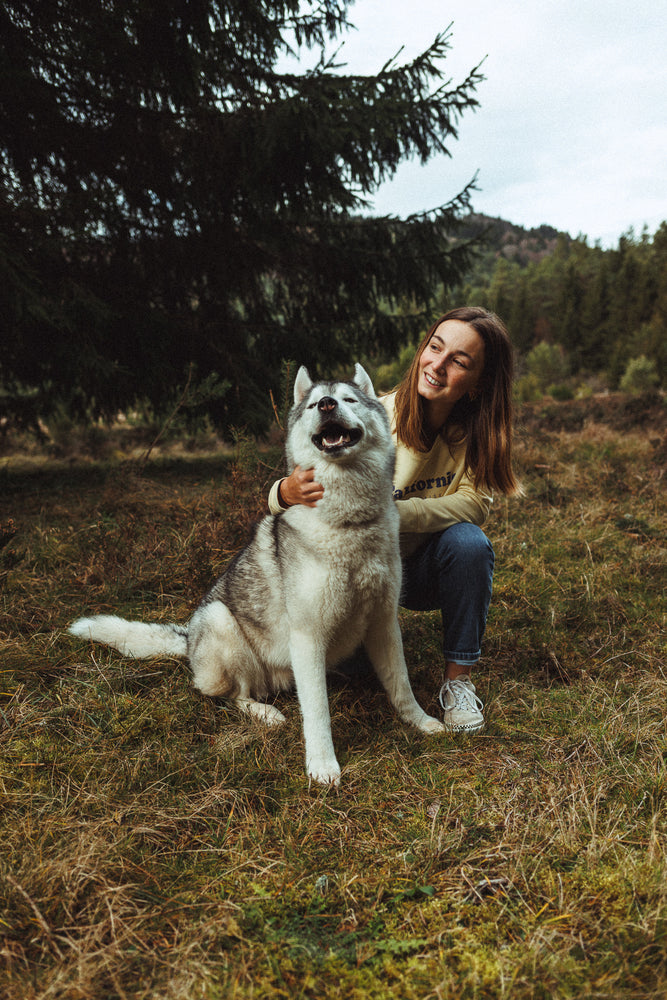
x=281 y=499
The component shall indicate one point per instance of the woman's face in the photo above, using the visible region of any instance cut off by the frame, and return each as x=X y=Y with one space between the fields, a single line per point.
x=450 y=366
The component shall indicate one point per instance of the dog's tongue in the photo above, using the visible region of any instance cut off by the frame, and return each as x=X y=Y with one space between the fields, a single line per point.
x=333 y=440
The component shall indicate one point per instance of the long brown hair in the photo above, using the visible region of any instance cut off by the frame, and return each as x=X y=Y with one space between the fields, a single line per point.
x=483 y=422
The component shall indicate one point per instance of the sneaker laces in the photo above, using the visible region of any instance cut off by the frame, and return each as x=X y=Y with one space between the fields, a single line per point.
x=462 y=691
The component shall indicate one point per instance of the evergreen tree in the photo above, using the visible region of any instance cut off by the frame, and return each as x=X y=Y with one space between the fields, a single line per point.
x=502 y=288
x=169 y=198
x=571 y=293
x=591 y=352
x=658 y=323
x=521 y=318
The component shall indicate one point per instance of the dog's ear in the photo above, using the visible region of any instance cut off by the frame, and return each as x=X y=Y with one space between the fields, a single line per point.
x=363 y=380
x=302 y=384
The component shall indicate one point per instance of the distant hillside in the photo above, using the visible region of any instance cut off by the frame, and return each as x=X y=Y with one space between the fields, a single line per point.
x=600 y=312
x=505 y=239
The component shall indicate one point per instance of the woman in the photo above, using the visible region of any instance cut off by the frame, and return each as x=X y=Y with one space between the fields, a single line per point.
x=451 y=419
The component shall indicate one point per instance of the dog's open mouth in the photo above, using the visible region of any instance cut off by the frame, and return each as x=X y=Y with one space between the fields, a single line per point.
x=334 y=436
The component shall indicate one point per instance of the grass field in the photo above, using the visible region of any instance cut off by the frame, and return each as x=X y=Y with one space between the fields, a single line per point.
x=156 y=844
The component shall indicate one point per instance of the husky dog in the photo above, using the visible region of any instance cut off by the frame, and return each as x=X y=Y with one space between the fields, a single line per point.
x=312 y=584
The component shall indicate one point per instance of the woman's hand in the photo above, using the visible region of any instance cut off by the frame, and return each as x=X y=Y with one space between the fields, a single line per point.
x=300 y=487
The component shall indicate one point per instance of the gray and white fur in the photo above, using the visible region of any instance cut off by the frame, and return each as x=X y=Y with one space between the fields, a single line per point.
x=312 y=585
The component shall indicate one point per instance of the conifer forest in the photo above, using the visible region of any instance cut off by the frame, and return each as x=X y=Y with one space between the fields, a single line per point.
x=180 y=217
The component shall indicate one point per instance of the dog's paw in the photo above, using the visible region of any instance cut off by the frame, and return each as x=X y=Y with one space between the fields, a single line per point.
x=324 y=772
x=272 y=716
x=430 y=725
x=268 y=714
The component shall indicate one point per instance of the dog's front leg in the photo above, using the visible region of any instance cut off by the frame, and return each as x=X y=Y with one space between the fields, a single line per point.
x=308 y=664
x=384 y=645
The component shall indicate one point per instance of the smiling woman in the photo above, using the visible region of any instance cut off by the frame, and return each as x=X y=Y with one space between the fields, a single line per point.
x=474 y=343
x=452 y=422
x=449 y=367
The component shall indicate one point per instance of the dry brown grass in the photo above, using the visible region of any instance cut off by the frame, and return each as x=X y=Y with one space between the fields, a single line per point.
x=157 y=844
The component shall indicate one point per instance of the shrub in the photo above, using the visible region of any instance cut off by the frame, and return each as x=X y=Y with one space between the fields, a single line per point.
x=527 y=389
x=641 y=375
x=548 y=364
x=561 y=392
x=389 y=375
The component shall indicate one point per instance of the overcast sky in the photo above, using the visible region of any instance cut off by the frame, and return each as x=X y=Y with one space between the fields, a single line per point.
x=572 y=127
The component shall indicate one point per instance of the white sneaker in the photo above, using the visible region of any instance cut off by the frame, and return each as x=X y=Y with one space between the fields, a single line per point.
x=462 y=707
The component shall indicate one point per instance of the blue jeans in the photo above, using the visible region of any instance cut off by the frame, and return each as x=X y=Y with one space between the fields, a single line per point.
x=452 y=571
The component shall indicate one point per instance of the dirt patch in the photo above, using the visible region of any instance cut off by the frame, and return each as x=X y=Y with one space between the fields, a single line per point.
x=617 y=410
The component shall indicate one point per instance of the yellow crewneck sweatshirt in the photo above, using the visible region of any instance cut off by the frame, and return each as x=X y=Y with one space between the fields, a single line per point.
x=432 y=489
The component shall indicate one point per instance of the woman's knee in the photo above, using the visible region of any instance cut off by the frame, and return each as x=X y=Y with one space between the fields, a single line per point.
x=465 y=544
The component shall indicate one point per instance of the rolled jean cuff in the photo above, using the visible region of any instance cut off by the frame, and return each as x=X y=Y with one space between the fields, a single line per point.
x=462 y=659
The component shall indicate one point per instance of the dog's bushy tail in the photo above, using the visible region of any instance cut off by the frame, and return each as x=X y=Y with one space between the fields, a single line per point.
x=135 y=639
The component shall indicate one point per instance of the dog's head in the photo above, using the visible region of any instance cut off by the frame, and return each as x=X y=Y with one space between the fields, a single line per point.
x=334 y=420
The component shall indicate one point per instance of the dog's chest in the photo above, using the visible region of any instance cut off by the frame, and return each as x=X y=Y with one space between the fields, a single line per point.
x=342 y=574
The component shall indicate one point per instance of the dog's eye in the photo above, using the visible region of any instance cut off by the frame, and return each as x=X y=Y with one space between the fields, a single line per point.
x=350 y=399
x=311 y=406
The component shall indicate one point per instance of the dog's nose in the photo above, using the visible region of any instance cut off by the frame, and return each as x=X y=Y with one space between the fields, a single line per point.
x=326 y=404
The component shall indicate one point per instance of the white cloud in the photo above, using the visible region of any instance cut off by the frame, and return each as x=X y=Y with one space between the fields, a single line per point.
x=572 y=128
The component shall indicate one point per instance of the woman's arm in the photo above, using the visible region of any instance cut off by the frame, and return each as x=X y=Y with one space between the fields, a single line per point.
x=430 y=514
